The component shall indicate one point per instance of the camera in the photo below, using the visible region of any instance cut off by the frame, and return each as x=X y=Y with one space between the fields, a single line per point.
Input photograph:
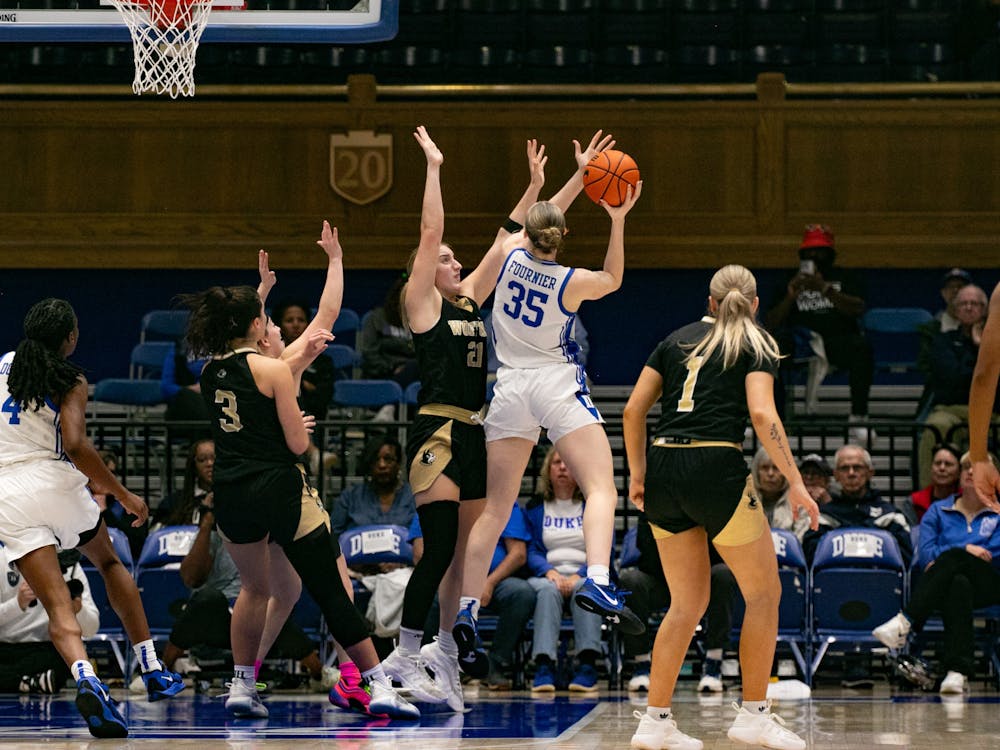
x=807 y=267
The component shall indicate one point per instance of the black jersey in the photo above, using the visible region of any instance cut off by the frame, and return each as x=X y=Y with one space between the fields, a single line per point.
x=245 y=426
x=702 y=401
x=451 y=357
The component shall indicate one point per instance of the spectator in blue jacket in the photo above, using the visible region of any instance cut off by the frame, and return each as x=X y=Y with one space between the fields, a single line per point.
x=557 y=559
x=959 y=557
x=507 y=595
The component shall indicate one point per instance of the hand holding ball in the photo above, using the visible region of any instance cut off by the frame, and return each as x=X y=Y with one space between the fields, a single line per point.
x=609 y=175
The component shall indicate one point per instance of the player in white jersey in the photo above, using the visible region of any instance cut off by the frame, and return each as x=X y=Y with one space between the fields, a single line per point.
x=540 y=383
x=46 y=464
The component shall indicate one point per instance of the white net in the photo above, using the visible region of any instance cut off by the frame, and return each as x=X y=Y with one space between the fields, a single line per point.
x=165 y=35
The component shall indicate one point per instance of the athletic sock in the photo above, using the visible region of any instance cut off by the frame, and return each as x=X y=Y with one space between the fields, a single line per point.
x=244 y=672
x=256 y=668
x=660 y=713
x=599 y=574
x=81 y=669
x=447 y=643
x=376 y=674
x=409 y=640
x=755 y=707
x=145 y=653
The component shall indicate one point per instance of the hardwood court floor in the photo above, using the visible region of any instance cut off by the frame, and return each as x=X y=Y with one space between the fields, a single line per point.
x=832 y=719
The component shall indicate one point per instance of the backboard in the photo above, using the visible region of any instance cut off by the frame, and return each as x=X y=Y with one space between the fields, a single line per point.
x=262 y=21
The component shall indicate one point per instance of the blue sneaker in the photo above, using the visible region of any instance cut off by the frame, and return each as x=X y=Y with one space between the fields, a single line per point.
x=162 y=683
x=99 y=710
x=545 y=680
x=585 y=680
x=609 y=602
x=472 y=656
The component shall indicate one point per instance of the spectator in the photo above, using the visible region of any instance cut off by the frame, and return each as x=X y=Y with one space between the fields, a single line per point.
x=773 y=489
x=944 y=320
x=858 y=504
x=182 y=507
x=816 y=474
x=960 y=558
x=944 y=485
x=113 y=512
x=316 y=391
x=952 y=358
x=507 y=595
x=29 y=662
x=557 y=560
x=828 y=301
x=386 y=342
x=182 y=392
x=382 y=498
x=205 y=620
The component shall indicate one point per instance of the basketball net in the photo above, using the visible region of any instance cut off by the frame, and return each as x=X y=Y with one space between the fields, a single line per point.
x=165 y=35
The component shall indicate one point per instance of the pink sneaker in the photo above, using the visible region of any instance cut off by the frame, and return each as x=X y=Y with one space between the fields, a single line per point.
x=351 y=695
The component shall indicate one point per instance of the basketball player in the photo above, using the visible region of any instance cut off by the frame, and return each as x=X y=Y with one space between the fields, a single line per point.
x=261 y=491
x=707 y=376
x=46 y=463
x=541 y=383
x=982 y=395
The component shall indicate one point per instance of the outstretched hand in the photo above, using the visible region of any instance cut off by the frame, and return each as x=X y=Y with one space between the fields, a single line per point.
x=316 y=343
x=536 y=162
x=267 y=277
x=598 y=143
x=431 y=151
x=329 y=240
x=631 y=196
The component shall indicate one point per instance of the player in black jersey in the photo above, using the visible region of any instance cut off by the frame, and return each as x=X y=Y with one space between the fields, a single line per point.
x=981 y=407
x=695 y=487
x=447 y=451
x=262 y=494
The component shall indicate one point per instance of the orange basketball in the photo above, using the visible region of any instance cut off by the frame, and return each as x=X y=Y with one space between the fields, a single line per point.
x=609 y=175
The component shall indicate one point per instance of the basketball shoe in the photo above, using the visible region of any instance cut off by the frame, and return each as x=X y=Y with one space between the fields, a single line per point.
x=609 y=602
x=351 y=693
x=661 y=734
x=408 y=670
x=764 y=729
x=446 y=677
x=99 y=710
x=385 y=701
x=243 y=701
x=472 y=656
x=162 y=683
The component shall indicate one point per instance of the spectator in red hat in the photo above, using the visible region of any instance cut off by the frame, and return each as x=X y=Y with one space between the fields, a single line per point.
x=827 y=301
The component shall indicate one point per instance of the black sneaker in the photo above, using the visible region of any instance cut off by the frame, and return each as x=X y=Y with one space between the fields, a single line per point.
x=43 y=683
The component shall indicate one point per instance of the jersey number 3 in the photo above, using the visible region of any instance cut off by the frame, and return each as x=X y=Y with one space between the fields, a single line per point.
x=686 y=402
x=231 y=421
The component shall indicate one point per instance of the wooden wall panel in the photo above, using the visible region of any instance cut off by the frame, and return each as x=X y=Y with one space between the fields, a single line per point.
x=109 y=182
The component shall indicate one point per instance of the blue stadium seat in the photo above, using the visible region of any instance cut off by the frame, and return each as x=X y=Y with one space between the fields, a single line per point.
x=158 y=578
x=629 y=554
x=146 y=360
x=128 y=392
x=164 y=324
x=376 y=543
x=367 y=393
x=895 y=337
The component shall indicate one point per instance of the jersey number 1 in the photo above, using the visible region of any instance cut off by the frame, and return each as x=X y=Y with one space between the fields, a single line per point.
x=686 y=402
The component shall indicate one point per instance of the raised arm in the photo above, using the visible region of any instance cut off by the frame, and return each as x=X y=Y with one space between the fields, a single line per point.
x=568 y=192
x=480 y=282
x=981 y=401
x=301 y=352
x=267 y=277
x=423 y=300
x=585 y=284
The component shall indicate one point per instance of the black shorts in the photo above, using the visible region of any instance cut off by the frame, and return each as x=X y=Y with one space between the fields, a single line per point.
x=702 y=486
x=277 y=502
x=439 y=445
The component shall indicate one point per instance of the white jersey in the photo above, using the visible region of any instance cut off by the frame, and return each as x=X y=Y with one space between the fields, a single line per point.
x=26 y=435
x=531 y=328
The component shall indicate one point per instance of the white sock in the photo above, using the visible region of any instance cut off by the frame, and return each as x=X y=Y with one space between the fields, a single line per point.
x=81 y=669
x=447 y=643
x=376 y=674
x=145 y=652
x=245 y=672
x=659 y=713
x=755 y=707
x=409 y=640
x=599 y=574
x=469 y=601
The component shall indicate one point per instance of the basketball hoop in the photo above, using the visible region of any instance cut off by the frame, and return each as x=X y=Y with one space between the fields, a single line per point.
x=165 y=35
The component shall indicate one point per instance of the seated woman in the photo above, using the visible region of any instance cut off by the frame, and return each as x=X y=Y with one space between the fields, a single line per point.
x=959 y=555
x=557 y=559
x=944 y=481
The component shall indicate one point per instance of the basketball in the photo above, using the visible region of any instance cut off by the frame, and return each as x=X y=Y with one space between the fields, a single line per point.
x=609 y=175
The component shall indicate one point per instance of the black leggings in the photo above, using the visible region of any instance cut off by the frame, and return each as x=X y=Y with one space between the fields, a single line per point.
x=439 y=524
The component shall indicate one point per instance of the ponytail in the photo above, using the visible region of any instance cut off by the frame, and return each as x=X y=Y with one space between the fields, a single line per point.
x=39 y=371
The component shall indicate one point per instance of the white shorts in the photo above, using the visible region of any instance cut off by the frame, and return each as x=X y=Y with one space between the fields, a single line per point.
x=555 y=397
x=42 y=503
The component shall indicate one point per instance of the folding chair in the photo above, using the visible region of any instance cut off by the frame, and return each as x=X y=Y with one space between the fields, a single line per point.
x=164 y=324
x=858 y=581
x=895 y=337
x=157 y=575
x=146 y=360
x=373 y=544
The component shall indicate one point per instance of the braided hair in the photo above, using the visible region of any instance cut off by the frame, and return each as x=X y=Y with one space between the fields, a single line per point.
x=39 y=371
x=219 y=315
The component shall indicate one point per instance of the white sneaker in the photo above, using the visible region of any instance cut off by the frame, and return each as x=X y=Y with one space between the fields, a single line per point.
x=710 y=684
x=408 y=670
x=764 y=729
x=243 y=701
x=639 y=683
x=387 y=702
x=186 y=665
x=446 y=677
x=954 y=683
x=661 y=734
x=893 y=632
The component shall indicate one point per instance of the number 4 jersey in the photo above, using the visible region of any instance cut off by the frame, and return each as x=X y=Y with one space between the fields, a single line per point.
x=530 y=325
x=25 y=434
x=701 y=400
x=248 y=435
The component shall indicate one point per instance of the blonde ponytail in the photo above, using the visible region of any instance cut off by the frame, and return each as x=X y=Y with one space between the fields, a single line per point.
x=734 y=288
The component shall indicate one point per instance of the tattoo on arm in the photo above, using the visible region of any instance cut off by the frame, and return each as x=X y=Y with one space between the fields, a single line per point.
x=776 y=437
